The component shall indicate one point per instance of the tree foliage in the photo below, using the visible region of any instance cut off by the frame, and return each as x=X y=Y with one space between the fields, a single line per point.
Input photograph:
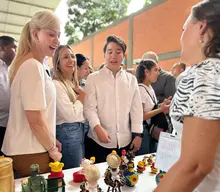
x=148 y=2
x=86 y=17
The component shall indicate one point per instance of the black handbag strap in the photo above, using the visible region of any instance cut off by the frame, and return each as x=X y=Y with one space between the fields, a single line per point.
x=153 y=99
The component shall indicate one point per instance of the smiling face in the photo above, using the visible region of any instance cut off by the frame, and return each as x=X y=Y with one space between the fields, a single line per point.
x=67 y=64
x=47 y=40
x=114 y=56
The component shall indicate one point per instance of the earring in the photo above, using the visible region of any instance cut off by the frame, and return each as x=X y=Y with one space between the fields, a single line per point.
x=201 y=41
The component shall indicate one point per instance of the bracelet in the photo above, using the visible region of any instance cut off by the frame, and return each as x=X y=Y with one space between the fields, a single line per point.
x=51 y=149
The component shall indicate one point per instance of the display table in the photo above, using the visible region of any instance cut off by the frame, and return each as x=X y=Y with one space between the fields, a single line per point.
x=146 y=181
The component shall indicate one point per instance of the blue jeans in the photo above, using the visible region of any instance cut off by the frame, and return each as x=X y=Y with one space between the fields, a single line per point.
x=71 y=135
x=148 y=145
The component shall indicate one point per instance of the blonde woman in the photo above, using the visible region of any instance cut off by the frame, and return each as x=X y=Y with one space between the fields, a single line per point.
x=70 y=98
x=30 y=134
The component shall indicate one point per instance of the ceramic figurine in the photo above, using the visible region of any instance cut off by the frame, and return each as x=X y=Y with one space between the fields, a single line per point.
x=150 y=160
x=56 y=170
x=131 y=176
x=92 y=176
x=35 y=183
x=160 y=176
x=92 y=159
x=145 y=162
x=114 y=152
x=154 y=170
x=124 y=161
x=140 y=167
x=113 y=175
x=79 y=176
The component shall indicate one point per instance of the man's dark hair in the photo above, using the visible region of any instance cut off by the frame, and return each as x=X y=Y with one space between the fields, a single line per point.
x=140 y=71
x=80 y=58
x=182 y=66
x=6 y=40
x=117 y=40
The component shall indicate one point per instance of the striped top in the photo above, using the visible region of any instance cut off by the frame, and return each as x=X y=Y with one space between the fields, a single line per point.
x=198 y=95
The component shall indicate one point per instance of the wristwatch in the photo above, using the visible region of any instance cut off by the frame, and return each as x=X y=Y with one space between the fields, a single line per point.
x=138 y=134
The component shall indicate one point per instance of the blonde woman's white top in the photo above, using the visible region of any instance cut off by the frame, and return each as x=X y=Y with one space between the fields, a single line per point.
x=32 y=89
x=67 y=111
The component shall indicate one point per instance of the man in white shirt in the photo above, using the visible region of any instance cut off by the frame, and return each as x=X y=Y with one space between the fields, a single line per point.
x=7 y=54
x=112 y=106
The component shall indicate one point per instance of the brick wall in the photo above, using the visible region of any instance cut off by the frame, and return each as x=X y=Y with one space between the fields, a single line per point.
x=157 y=27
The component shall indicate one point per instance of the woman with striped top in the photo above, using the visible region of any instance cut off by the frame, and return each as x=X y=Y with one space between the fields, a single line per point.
x=195 y=109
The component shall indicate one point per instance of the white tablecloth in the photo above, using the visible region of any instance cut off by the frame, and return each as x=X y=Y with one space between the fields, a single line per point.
x=146 y=182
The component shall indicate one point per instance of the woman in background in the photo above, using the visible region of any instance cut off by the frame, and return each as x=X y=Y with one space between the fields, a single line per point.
x=147 y=73
x=70 y=99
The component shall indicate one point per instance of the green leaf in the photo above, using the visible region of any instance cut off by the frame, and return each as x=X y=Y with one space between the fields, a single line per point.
x=92 y=15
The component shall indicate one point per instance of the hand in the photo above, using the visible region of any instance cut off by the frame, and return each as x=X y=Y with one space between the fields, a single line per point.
x=165 y=108
x=81 y=94
x=136 y=143
x=167 y=101
x=55 y=154
x=102 y=134
x=79 y=90
x=58 y=145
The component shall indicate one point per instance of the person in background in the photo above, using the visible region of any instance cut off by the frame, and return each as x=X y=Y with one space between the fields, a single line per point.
x=195 y=108
x=147 y=73
x=69 y=109
x=164 y=87
x=83 y=69
x=131 y=70
x=30 y=134
x=101 y=66
x=7 y=53
x=177 y=69
x=112 y=105
x=91 y=69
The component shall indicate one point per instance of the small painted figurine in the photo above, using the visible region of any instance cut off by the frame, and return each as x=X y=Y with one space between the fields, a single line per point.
x=79 y=176
x=140 y=167
x=114 y=152
x=92 y=175
x=145 y=162
x=124 y=161
x=154 y=170
x=131 y=176
x=92 y=159
x=56 y=170
x=35 y=182
x=150 y=160
x=160 y=176
x=113 y=175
